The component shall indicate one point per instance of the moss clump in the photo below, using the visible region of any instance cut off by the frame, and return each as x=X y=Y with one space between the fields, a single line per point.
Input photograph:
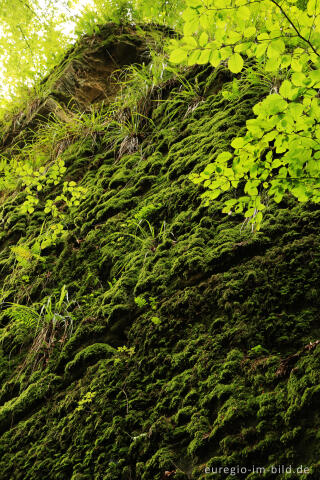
x=88 y=356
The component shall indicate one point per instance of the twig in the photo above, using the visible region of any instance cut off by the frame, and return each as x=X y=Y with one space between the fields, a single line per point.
x=294 y=27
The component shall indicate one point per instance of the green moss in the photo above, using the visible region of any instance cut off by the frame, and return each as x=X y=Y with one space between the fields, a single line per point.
x=88 y=356
x=119 y=178
x=31 y=398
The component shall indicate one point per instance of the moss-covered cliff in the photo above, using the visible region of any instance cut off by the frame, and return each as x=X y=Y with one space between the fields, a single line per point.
x=186 y=341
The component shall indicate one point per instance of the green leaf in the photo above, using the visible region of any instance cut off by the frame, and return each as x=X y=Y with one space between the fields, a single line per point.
x=190 y=41
x=156 y=320
x=258 y=109
x=249 y=32
x=191 y=27
x=215 y=58
x=188 y=14
x=234 y=37
x=225 y=52
x=261 y=49
x=203 y=39
x=263 y=36
x=273 y=64
x=204 y=56
x=285 y=61
x=210 y=168
x=313 y=168
x=178 y=55
x=228 y=205
x=255 y=127
x=237 y=142
x=268 y=137
x=295 y=110
x=243 y=13
x=278 y=197
x=205 y=21
x=223 y=157
x=315 y=76
x=194 y=57
x=235 y=63
x=212 y=195
x=251 y=189
x=300 y=192
x=242 y=47
x=276 y=163
x=249 y=212
x=288 y=91
x=273 y=104
x=312 y=7
x=193 y=3
x=275 y=48
x=298 y=79
x=296 y=65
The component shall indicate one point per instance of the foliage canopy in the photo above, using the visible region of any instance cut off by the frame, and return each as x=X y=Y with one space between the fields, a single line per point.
x=280 y=151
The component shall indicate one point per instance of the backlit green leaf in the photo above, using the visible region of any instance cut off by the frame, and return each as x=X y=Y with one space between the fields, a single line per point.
x=203 y=39
x=178 y=55
x=235 y=63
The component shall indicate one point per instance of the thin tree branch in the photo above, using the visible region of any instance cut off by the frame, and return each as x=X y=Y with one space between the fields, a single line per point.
x=25 y=39
x=294 y=27
x=234 y=7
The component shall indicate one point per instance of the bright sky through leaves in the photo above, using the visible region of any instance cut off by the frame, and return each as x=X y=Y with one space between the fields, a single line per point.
x=65 y=15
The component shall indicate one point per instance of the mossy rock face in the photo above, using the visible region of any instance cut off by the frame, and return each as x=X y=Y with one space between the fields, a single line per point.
x=88 y=356
x=83 y=77
x=195 y=343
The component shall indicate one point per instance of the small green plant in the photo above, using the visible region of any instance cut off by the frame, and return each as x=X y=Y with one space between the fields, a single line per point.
x=156 y=320
x=123 y=354
x=146 y=211
x=257 y=350
x=51 y=235
x=140 y=301
x=25 y=255
x=136 y=83
x=29 y=204
x=129 y=351
x=147 y=231
x=152 y=303
x=26 y=318
x=48 y=323
x=85 y=401
x=124 y=133
x=34 y=181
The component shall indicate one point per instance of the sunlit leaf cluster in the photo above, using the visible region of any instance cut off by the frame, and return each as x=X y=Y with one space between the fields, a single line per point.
x=280 y=151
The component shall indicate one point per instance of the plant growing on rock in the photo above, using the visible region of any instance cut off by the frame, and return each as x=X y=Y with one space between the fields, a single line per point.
x=85 y=402
x=152 y=302
x=47 y=323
